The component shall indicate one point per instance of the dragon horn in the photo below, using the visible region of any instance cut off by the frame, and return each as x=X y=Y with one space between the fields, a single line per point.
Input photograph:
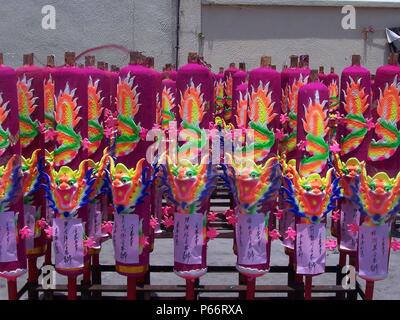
x=112 y=164
x=138 y=170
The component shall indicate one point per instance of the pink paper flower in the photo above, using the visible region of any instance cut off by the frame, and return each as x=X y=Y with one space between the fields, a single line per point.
x=353 y=227
x=229 y=212
x=42 y=128
x=232 y=219
x=108 y=132
x=42 y=223
x=49 y=232
x=336 y=215
x=168 y=221
x=143 y=241
x=290 y=234
x=154 y=222
x=50 y=134
x=331 y=244
x=274 y=234
x=107 y=227
x=26 y=233
x=143 y=133
x=165 y=211
x=370 y=124
x=279 y=214
x=395 y=245
x=302 y=145
x=212 y=216
x=212 y=233
x=89 y=242
x=334 y=147
x=283 y=118
x=85 y=144
x=279 y=135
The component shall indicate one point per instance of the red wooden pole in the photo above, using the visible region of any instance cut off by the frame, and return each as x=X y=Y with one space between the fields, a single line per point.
x=86 y=274
x=369 y=290
x=12 y=289
x=72 y=291
x=32 y=270
x=190 y=289
x=131 y=288
x=251 y=288
x=307 y=289
x=47 y=256
x=342 y=258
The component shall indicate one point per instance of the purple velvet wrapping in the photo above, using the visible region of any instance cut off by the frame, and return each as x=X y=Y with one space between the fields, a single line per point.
x=200 y=75
x=171 y=74
x=238 y=79
x=356 y=73
x=148 y=83
x=38 y=76
x=113 y=81
x=384 y=75
x=306 y=93
x=328 y=78
x=265 y=75
x=49 y=75
x=288 y=77
x=77 y=78
x=321 y=77
x=8 y=90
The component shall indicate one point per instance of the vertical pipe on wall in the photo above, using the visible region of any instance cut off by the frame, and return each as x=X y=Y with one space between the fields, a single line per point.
x=178 y=6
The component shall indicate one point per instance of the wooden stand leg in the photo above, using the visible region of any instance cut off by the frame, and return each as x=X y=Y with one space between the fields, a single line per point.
x=96 y=274
x=32 y=278
x=339 y=275
x=251 y=288
x=12 y=289
x=72 y=290
x=242 y=281
x=308 y=288
x=369 y=290
x=131 y=288
x=190 y=289
x=47 y=256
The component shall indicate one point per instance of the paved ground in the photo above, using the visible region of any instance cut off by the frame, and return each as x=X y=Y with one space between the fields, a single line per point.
x=220 y=253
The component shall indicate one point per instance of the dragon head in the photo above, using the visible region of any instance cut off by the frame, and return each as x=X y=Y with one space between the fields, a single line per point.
x=9 y=181
x=99 y=174
x=128 y=186
x=30 y=173
x=69 y=189
x=255 y=183
x=348 y=172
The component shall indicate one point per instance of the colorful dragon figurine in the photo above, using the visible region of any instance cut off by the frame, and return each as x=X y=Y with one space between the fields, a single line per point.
x=187 y=184
x=241 y=110
x=355 y=104
x=68 y=190
x=191 y=111
x=229 y=95
x=127 y=107
x=292 y=100
x=333 y=96
x=388 y=110
x=315 y=125
x=378 y=197
x=313 y=196
x=10 y=179
x=252 y=185
x=219 y=97
x=29 y=128
x=95 y=109
x=167 y=103
x=99 y=172
x=67 y=119
x=49 y=92
x=31 y=174
x=261 y=114
x=128 y=186
x=348 y=172
x=4 y=134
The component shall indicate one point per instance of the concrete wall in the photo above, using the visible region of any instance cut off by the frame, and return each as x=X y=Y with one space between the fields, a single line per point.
x=247 y=32
x=148 y=26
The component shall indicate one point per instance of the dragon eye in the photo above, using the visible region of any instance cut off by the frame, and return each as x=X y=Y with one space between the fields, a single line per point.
x=372 y=186
x=190 y=174
x=125 y=179
x=57 y=182
x=71 y=182
x=307 y=187
x=345 y=171
x=388 y=188
x=254 y=174
x=323 y=188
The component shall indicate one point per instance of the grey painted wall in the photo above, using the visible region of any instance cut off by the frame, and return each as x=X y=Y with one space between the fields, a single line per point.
x=148 y=26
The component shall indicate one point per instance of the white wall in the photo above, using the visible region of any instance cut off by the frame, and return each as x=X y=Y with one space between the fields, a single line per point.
x=244 y=33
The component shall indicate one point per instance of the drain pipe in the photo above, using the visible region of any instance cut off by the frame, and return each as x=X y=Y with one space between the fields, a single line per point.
x=177 y=33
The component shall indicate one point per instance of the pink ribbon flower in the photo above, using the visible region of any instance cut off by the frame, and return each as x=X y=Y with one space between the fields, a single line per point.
x=212 y=216
x=274 y=234
x=143 y=241
x=353 y=227
x=168 y=222
x=26 y=233
x=107 y=227
x=331 y=244
x=212 y=233
x=279 y=214
x=283 y=118
x=395 y=245
x=290 y=234
x=336 y=215
x=49 y=232
x=42 y=223
x=154 y=222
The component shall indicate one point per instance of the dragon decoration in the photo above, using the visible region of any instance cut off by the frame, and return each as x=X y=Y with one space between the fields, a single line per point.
x=252 y=185
x=219 y=97
x=355 y=105
x=311 y=197
x=241 y=110
x=32 y=169
x=167 y=104
x=66 y=115
x=228 y=94
x=10 y=179
x=388 y=109
x=5 y=136
x=29 y=128
x=315 y=125
x=377 y=197
x=95 y=109
x=191 y=111
x=127 y=107
x=49 y=92
x=260 y=114
x=291 y=99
